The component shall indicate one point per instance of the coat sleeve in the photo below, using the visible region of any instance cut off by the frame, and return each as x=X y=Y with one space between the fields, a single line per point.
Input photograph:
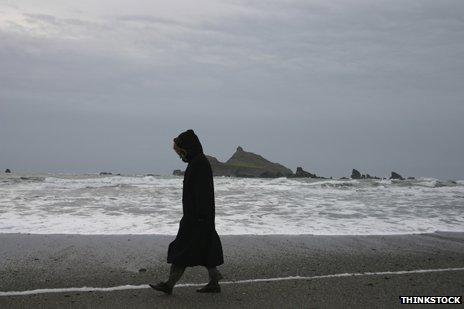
x=203 y=194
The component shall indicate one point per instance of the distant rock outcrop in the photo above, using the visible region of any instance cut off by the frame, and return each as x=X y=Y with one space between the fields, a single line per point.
x=396 y=176
x=367 y=176
x=105 y=173
x=301 y=173
x=7 y=171
x=219 y=168
x=355 y=174
x=178 y=173
x=247 y=164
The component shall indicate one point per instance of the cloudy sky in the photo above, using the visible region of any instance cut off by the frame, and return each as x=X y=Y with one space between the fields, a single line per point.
x=89 y=86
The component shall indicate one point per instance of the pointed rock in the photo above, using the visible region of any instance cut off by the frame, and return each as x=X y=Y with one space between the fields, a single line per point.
x=301 y=173
x=396 y=176
x=355 y=174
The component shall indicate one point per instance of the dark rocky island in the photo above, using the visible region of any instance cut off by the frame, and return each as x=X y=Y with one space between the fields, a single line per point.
x=246 y=164
x=396 y=176
x=301 y=173
x=355 y=174
x=8 y=171
x=178 y=173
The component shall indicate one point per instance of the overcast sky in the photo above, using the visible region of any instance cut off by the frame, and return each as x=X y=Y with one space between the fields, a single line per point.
x=89 y=86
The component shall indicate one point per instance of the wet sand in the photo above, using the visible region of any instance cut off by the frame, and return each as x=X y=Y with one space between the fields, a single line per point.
x=30 y=261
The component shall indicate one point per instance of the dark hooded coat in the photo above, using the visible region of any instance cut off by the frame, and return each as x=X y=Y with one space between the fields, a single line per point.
x=197 y=242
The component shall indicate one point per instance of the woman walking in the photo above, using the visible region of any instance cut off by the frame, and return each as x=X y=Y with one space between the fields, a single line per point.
x=197 y=242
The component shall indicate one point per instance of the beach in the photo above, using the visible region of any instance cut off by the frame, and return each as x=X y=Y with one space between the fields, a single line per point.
x=260 y=271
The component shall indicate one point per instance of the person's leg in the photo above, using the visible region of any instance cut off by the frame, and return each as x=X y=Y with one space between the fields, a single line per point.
x=214 y=275
x=213 y=285
x=175 y=274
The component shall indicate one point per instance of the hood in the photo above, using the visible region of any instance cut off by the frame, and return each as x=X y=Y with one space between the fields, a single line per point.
x=189 y=141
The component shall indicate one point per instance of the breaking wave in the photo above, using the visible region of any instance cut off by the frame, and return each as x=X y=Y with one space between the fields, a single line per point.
x=141 y=204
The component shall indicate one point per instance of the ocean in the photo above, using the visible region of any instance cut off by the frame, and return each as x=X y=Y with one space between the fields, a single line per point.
x=138 y=204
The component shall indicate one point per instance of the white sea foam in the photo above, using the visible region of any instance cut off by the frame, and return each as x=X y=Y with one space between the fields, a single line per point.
x=90 y=204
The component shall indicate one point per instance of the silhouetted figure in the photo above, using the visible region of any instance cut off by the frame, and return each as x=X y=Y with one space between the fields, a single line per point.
x=197 y=242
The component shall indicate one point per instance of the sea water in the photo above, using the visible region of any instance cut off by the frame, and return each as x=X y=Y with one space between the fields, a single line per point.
x=132 y=204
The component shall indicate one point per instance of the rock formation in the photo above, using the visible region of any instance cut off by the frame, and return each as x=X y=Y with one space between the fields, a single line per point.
x=105 y=173
x=246 y=164
x=7 y=171
x=355 y=174
x=367 y=176
x=178 y=173
x=396 y=176
x=301 y=173
x=220 y=168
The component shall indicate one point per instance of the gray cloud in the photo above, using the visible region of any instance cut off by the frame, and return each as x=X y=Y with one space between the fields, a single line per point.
x=329 y=86
x=150 y=19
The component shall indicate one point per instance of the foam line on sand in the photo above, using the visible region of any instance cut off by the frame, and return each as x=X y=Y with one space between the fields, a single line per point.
x=145 y=286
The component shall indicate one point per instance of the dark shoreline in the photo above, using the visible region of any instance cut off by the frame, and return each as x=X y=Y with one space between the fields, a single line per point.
x=34 y=261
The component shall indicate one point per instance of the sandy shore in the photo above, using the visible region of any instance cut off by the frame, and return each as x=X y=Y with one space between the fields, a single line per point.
x=29 y=262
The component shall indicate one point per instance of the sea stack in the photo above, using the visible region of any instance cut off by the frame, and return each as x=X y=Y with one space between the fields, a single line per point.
x=178 y=173
x=396 y=176
x=301 y=173
x=355 y=174
x=247 y=164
